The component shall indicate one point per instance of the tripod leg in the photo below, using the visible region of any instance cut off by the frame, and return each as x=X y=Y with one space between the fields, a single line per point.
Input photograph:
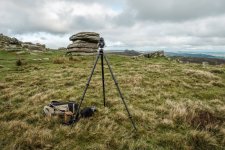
x=85 y=90
x=118 y=88
x=103 y=76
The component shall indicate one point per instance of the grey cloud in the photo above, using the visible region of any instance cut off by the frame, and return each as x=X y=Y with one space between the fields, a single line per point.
x=126 y=18
x=27 y=16
x=103 y=2
x=42 y=38
x=81 y=23
x=174 y=10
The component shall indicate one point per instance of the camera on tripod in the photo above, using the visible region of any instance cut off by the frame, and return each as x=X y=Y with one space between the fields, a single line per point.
x=103 y=57
x=101 y=42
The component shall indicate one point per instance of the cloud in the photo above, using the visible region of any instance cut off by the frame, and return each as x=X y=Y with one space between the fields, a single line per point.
x=174 y=10
x=59 y=17
x=132 y=24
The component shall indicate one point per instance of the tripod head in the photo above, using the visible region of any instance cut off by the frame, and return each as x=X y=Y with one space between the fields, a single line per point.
x=101 y=43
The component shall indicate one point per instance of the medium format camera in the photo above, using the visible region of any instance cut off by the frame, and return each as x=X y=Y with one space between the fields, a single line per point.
x=101 y=43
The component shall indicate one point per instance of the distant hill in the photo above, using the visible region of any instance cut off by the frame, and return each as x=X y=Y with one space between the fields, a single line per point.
x=170 y=54
x=184 y=57
x=200 y=60
x=200 y=55
x=197 y=58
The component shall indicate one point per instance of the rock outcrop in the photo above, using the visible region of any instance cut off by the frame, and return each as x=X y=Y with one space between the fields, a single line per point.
x=86 y=42
x=62 y=48
x=13 y=44
x=154 y=54
x=31 y=46
x=9 y=44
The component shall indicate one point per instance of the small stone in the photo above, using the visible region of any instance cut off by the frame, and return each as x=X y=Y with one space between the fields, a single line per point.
x=45 y=58
x=20 y=52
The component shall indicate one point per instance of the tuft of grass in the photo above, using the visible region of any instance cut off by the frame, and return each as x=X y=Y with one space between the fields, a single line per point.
x=202 y=140
x=196 y=114
x=60 y=60
x=19 y=62
x=218 y=71
x=34 y=139
x=201 y=74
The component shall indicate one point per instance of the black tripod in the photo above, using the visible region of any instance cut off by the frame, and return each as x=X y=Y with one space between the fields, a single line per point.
x=102 y=55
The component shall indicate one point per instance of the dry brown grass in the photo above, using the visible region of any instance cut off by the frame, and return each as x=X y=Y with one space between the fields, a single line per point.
x=60 y=60
x=196 y=114
x=201 y=74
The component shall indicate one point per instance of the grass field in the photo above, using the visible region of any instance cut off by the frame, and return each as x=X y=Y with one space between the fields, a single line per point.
x=175 y=106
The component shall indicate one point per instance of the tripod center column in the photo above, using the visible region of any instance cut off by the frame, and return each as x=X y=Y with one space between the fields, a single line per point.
x=103 y=76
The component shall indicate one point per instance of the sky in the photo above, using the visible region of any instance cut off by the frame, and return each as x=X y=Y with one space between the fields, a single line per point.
x=171 y=25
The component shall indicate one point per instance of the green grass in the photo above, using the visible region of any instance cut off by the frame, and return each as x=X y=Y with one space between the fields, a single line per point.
x=175 y=106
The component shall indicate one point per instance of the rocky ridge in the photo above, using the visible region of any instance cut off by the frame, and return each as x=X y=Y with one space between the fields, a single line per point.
x=13 y=44
x=154 y=54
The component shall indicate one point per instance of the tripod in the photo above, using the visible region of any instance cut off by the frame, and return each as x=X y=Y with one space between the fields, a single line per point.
x=102 y=55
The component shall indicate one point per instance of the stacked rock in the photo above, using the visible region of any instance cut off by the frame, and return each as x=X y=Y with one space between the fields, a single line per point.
x=86 y=42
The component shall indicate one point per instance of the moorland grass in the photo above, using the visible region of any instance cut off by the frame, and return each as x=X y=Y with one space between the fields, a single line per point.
x=174 y=105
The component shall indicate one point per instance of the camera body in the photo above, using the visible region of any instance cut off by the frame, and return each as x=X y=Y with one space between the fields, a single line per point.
x=101 y=43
